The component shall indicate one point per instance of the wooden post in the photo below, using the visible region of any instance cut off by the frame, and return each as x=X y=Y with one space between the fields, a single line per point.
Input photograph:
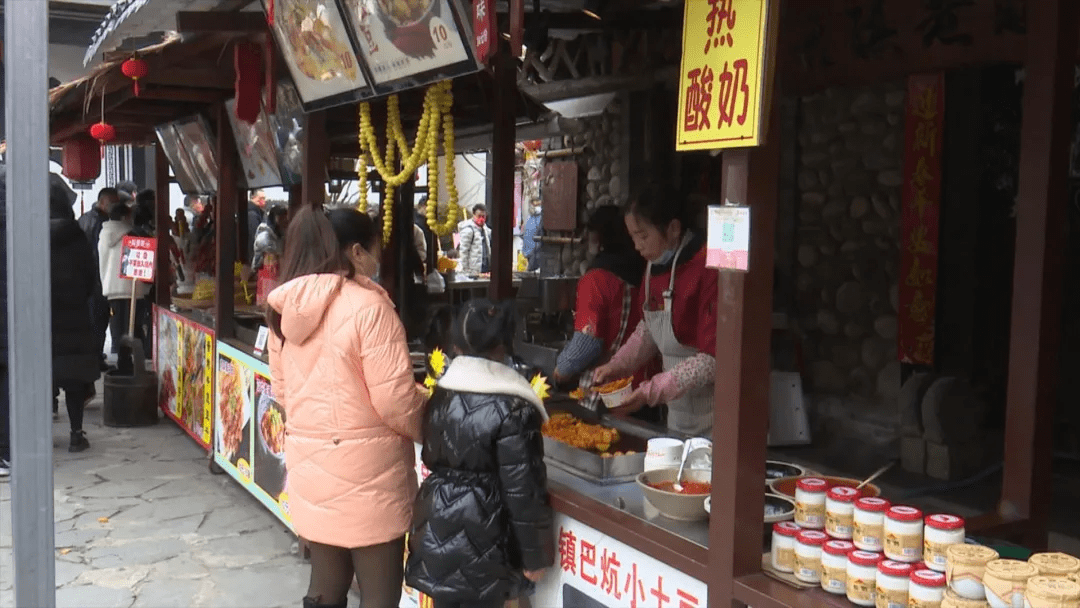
x=244 y=237
x=502 y=178
x=403 y=239
x=225 y=224
x=162 y=221
x=1037 y=275
x=315 y=157
x=296 y=198
x=741 y=401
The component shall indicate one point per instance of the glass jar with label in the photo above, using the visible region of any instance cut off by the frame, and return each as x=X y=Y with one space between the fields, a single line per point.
x=940 y=531
x=926 y=589
x=808 y=555
x=1004 y=581
x=862 y=577
x=904 y=534
x=783 y=546
x=840 y=511
x=1055 y=564
x=964 y=569
x=893 y=580
x=868 y=527
x=810 y=503
x=834 y=560
x=955 y=601
x=1051 y=592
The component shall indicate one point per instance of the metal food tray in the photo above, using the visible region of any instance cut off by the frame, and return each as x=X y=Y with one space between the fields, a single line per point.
x=591 y=466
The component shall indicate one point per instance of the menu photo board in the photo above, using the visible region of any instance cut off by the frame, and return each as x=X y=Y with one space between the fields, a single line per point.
x=315 y=42
x=410 y=43
x=257 y=145
x=249 y=438
x=288 y=125
x=184 y=362
x=179 y=160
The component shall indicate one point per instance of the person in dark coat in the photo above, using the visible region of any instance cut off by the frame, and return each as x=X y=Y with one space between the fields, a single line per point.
x=91 y=223
x=256 y=216
x=482 y=528
x=75 y=284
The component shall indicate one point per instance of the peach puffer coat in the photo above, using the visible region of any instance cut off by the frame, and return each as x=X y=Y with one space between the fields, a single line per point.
x=353 y=411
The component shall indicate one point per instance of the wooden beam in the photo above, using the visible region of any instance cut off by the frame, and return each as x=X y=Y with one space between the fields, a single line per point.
x=502 y=179
x=316 y=154
x=221 y=23
x=184 y=94
x=226 y=227
x=208 y=78
x=741 y=399
x=1027 y=486
x=162 y=222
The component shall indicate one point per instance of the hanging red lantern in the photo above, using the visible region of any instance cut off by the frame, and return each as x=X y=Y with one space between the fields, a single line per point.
x=80 y=164
x=104 y=133
x=135 y=69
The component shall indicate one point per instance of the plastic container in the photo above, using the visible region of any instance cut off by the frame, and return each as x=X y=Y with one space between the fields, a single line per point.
x=862 y=577
x=1051 y=592
x=904 y=534
x=965 y=567
x=783 y=546
x=1055 y=564
x=940 y=532
x=834 y=562
x=840 y=511
x=615 y=398
x=926 y=589
x=868 y=529
x=955 y=601
x=893 y=580
x=808 y=555
x=1004 y=581
x=810 y=503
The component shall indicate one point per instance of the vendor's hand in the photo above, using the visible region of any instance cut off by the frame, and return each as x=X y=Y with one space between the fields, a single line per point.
x=633 y=403
x=603 y=375
x=535 y=575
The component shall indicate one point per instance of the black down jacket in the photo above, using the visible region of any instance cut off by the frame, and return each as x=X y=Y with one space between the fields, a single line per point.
x=483 y=516
x=74 y=281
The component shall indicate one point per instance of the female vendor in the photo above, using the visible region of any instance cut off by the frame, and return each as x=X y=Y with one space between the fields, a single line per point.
x=680 y=297
x=608 y=299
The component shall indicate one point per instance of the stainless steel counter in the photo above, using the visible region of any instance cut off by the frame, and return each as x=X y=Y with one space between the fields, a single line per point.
x=628 y=497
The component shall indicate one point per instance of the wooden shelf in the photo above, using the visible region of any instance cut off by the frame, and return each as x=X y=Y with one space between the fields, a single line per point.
x=761 y=591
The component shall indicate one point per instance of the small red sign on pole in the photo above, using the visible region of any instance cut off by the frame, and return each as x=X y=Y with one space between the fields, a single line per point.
x=484 y=28
x=137 y=258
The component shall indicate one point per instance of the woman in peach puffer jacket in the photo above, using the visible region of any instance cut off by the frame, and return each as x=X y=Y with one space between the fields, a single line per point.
x=341 y=368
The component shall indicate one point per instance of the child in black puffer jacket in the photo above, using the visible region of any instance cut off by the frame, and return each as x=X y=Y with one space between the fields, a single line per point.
x=482 y=530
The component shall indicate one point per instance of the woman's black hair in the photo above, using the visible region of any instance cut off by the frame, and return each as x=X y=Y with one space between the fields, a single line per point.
x=351 y=226
x=482 y=326
x=119 y=212
x=274 y=215
x=660 y=204
x=608 y=224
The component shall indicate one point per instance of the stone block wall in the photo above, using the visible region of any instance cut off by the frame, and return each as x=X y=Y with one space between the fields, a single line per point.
x=849 y=169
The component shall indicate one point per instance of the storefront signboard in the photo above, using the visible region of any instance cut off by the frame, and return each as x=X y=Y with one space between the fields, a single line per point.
x=728 y=56
x=184 y=366
x=249 y=437
x=919 y=215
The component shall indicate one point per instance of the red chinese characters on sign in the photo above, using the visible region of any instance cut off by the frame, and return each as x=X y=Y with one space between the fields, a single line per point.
x=137 y=256
x=919 y=219
x=721 y=21
x=731 y=76
x=617 y=579
x=484 y=28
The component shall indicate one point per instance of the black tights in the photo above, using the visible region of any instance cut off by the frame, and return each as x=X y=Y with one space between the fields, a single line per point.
x=379 y=569
x=75 y=396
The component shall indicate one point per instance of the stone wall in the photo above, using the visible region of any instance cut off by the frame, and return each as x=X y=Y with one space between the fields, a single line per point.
x=849 y=167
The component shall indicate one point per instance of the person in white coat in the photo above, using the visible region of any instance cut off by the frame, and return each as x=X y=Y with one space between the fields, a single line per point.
x=118 y=290
x=475 y=247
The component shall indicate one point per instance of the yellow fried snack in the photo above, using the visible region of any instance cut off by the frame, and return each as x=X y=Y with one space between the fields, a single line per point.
x=579 y=434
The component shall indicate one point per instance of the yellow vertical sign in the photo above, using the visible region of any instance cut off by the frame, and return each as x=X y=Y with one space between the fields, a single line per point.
x=726 y=72
x=180 y=379
x=208 y=391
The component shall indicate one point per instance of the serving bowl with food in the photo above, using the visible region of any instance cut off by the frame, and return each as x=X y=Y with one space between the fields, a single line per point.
x=272 y=427
x=686 y=505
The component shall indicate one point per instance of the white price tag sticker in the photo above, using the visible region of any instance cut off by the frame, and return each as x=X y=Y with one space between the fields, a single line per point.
x=260 y=340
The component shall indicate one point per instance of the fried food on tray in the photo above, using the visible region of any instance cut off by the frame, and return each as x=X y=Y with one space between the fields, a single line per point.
x=579 y=434
x=607 y=389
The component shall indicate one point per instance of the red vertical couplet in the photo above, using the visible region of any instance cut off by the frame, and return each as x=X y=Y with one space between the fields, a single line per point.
x=919 y=218
x=484 y=29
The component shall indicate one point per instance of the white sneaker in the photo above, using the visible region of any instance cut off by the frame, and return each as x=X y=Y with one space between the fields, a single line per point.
x=5 y=469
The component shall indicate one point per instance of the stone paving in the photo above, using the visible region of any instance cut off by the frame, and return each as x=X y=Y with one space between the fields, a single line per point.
x=142 y=523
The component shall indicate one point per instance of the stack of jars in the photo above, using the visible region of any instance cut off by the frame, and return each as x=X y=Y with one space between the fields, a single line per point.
x=978 y=578
x=864 y=547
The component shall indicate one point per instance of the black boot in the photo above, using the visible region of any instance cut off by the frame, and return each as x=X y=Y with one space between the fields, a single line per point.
x=78 y=442
x=314 y=603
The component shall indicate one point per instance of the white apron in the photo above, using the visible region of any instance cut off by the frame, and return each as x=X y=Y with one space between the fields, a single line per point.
x=693 y=412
